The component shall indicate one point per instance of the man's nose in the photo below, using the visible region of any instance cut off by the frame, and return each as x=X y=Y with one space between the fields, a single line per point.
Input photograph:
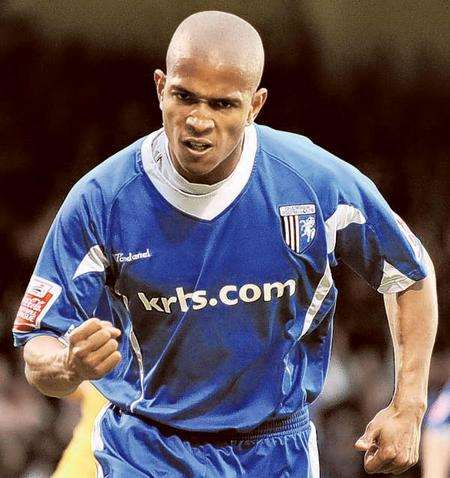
x=199 y=123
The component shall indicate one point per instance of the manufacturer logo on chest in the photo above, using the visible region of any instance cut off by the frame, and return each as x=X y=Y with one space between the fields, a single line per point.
x=298 y=222
x=121 y=257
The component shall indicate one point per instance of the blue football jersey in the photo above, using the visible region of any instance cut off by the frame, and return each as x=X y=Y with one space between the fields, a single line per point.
x=226 y=321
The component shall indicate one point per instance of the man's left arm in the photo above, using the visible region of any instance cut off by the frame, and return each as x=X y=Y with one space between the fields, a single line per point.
x=391 y=440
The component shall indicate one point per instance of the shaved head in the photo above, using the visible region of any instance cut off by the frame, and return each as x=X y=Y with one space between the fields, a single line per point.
x=210 y=93
x=220 y=39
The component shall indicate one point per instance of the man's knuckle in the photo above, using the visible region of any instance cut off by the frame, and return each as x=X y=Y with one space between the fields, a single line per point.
x=370 y=427
x=389 y=453
x=92 y=322
x=113 y=344
x=400 y=461
x=85 y=366
x=97 y=371
x=78 y=352
x=114 y=359
x=90 y=361
x=74 y=338
x=104 y=335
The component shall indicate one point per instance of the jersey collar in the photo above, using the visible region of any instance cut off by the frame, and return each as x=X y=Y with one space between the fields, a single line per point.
x=195 y=199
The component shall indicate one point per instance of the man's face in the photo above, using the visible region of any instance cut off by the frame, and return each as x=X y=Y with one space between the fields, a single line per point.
x=205 y=110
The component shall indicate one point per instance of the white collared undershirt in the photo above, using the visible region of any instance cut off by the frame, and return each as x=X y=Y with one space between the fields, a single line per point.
x=205 y=201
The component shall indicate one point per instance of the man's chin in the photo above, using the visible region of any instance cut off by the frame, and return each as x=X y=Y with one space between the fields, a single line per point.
x=194 y=168
x=196 y=173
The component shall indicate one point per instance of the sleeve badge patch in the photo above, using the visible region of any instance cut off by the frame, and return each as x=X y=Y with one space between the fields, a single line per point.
x=39 y=297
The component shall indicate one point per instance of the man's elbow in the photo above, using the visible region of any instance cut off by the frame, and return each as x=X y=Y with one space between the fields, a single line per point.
x=429 y=264
x=428 y=283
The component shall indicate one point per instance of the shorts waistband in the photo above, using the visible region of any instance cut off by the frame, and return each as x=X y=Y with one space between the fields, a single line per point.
x=288 y=425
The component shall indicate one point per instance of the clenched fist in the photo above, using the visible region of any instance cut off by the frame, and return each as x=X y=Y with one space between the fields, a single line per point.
x=92 y=351
x=391 y=441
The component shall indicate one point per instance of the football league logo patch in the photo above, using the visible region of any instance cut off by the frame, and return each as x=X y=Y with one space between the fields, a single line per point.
x=38 y=298
x=298 y=222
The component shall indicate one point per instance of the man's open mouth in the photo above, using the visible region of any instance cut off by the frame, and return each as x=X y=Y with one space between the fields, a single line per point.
x=199 y=146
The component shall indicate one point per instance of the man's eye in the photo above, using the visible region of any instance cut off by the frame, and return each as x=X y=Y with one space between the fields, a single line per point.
x=186 y=97
x=222 y=104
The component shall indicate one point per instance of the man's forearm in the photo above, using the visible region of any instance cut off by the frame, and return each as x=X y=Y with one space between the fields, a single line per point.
x=45 y=367
x=412 y=316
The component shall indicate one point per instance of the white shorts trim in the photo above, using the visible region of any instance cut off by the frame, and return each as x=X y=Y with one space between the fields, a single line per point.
x=313 y=453
x=97 y=440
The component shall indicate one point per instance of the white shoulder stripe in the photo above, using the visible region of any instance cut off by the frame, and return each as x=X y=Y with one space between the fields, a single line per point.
x=340 y=219
x=344 y=215
x=93 y=261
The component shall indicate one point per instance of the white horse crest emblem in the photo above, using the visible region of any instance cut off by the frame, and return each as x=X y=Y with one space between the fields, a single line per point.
x=299 y=225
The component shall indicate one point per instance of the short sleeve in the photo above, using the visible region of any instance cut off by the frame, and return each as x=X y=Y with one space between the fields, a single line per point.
x=69 y=277
x=364 y=233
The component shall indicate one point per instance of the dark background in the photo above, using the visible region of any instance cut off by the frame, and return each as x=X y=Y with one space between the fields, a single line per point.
x=367 y=80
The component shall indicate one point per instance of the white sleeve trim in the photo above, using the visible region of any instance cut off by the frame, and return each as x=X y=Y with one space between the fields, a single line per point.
x=93 y=261
x=413 y=241
x=344 y=215
x=393 y=280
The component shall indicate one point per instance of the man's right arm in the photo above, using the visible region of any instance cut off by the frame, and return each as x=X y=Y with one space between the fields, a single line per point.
x=56 y=369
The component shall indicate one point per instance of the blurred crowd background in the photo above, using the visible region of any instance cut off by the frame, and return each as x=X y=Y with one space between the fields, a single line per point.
x=369 y=82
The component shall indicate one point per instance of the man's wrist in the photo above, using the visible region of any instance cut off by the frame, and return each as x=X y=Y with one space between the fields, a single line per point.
x=51 y=373
x=71 y=376
x=411 y=389
x=412 y=406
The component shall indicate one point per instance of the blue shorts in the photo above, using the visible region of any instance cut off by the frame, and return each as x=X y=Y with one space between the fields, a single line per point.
x=132 y=447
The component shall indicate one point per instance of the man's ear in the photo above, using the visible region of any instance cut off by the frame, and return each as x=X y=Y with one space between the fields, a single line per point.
x=258 y=100
x=160 y=81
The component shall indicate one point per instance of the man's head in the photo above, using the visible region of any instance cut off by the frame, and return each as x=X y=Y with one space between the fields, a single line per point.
x=210 y=92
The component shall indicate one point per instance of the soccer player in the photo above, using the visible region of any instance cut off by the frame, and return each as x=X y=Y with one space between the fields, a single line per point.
x=189 y=276
x=436 y=438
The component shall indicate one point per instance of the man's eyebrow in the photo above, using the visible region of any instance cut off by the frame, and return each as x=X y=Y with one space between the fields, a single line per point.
x=180 y=89
x=233 y=98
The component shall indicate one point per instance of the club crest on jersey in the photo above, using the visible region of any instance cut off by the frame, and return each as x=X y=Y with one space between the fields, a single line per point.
x=298 y=223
